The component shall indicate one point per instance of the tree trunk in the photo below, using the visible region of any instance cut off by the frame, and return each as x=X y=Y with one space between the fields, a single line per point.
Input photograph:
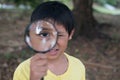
x=86 y=23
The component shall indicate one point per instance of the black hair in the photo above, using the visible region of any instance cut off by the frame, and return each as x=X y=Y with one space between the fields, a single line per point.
x=56 y=11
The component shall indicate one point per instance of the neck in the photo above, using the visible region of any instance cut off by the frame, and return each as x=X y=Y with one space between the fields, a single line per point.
x=58 y=66
x=60 y=59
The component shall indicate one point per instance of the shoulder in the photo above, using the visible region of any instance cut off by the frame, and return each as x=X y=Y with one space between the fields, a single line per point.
x=22 y=70
x=75 y=61
x=24 y=64
x=76 y=67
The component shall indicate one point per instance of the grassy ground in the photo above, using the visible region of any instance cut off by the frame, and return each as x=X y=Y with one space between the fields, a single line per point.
x=101 y=57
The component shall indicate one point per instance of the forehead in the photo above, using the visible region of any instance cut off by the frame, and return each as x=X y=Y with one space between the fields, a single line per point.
x=60 y=27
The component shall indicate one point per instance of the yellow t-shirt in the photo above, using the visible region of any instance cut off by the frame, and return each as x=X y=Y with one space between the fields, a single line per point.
x=75 y=71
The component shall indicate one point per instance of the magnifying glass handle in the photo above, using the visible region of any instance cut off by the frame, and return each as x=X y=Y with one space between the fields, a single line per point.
x=42 y=78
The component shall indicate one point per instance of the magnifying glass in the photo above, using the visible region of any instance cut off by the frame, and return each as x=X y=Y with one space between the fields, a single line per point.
x=41 y=36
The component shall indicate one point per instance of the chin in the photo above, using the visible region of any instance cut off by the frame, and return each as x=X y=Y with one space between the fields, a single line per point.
x=53 y=54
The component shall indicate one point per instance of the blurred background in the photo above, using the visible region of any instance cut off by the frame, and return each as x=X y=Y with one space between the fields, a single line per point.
x=96 y=41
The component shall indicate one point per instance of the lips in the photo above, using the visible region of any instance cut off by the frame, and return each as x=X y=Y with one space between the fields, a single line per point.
x=53 y=52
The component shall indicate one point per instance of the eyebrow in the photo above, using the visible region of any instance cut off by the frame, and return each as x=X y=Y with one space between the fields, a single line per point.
x=61 y=32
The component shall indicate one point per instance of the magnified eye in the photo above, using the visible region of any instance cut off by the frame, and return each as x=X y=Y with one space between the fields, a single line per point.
x=44 y=34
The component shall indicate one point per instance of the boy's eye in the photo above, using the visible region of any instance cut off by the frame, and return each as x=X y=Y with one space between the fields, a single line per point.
x=44 y=34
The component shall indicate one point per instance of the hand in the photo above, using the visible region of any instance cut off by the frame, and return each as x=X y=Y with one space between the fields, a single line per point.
x=38 y=66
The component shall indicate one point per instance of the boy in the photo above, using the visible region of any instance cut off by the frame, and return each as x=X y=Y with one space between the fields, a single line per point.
x=55 y=64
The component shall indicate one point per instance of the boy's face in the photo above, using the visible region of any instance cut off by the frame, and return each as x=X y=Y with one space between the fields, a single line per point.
x=61 y=44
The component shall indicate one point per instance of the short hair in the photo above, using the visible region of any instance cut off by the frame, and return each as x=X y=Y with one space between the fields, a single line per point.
x=56 y=11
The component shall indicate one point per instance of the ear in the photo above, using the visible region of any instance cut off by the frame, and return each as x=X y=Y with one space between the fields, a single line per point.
x=71 y=34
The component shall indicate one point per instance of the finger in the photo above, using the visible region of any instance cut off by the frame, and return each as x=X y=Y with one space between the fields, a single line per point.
x=41 y=63
x=42 y=56
x=39 y=56
x=39 y=68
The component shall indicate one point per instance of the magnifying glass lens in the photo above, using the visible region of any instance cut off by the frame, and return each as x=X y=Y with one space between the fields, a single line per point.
x=41 y=37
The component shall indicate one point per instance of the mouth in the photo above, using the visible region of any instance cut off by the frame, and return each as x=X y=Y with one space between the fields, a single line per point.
x=53 y=52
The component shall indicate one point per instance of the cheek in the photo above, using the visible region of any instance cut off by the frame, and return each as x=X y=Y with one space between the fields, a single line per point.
x=62 y=43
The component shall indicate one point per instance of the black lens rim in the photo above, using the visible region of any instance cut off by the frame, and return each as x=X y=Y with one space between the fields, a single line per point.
x=27 y=34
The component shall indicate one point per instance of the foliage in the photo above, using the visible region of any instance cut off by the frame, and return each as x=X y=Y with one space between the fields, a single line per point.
x=32 y=3
x=102 y=2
